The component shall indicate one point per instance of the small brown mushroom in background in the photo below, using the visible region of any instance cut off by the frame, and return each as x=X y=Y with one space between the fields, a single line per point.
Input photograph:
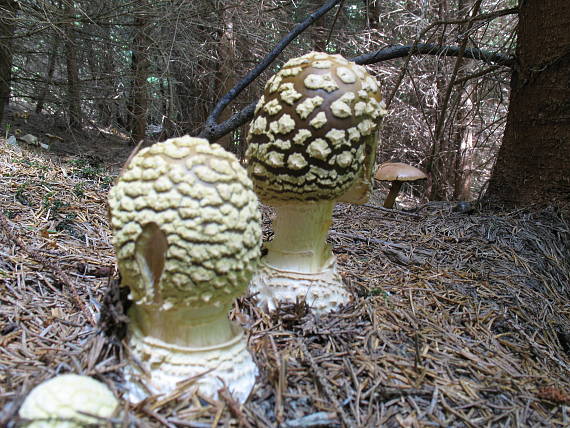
x=397 y=173
x=52 y=139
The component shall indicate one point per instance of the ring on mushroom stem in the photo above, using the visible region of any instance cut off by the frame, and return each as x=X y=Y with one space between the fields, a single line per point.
x=187 y=235
x=397 y=173
x=312 y=142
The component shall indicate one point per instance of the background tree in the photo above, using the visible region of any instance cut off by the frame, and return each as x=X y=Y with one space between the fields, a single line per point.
x=173 y=60
x=7 y=24
x=72 y=67
x=140 y=64
x=533 y=165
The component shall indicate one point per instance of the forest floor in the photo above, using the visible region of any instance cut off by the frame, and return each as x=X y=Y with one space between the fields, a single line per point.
x=457 y=320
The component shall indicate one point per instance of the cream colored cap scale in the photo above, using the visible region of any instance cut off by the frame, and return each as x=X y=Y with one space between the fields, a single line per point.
x=191 y=207
x=313 y=129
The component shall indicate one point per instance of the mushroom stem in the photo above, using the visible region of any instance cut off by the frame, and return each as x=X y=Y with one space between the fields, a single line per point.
x=300 y=237
x=392 y=194
x=188 y=327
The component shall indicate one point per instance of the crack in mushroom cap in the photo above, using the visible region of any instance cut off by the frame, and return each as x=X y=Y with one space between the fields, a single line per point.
x=199 y=199
x=314 y=128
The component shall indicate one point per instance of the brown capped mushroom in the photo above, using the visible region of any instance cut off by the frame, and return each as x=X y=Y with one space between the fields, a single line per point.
x=312 y=142
x=397 y=173
x=52 y=139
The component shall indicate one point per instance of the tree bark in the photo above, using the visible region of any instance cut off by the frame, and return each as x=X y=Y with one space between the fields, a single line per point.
x=8 y=10
x=533 y=164
x=44 y=86
x=73 y=90
x=225 y=77
x=140 y=66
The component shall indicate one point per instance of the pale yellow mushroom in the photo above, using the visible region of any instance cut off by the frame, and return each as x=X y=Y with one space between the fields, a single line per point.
x=66 y=401
x=187 y=235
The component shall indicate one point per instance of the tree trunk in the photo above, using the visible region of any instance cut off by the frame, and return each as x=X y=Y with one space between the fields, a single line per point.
x=463 y=160
x=140 y=67
x=73 y=91
x=8 y=10
x=318 y=32
x=449 y=164
x=533 y=164
x=108 y=108
x=226 y=78
x=44 y=86
x=462 y=174
x=436 y=167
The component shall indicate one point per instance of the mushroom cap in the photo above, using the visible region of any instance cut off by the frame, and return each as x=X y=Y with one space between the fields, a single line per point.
x=186 y=225
x=398 y=171
x=65 y=396
x=314 y=129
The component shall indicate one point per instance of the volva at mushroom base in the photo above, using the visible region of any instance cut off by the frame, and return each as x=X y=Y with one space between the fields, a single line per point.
x=66 y=401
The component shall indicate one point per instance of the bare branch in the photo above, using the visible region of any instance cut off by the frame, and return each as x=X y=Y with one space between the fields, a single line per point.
x=210 y=127
x=398 y=51
x=218 y=131
x=213 y=131
x=476 y=75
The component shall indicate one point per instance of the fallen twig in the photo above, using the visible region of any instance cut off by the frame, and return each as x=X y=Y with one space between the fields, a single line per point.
x=392 y=211
x=50 y=266
x=319 y=419
x=322 y=382
x=234 y=407
x=390 y=248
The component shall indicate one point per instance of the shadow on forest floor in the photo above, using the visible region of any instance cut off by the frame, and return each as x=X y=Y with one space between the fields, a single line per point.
x=457 y=320
x=105 y=146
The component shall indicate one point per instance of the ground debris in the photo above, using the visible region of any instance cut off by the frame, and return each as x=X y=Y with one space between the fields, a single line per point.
x=457 y=320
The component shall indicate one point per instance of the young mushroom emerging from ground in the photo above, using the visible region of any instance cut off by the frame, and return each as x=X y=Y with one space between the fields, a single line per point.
x=312 y=142
x=187 y=234
x=67 y=401
x=397 y=173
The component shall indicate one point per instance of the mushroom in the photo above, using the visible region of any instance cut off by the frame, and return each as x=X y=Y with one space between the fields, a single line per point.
x=187 y=235
x=397 y=173
x=312 y=142
x=29 y=139
x=66 y=401
x=53 y=139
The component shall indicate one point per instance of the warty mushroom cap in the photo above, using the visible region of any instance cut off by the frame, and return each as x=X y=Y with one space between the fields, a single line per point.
x=314 y=130
x=197 y=205
x=398 y=171
x=65 y=397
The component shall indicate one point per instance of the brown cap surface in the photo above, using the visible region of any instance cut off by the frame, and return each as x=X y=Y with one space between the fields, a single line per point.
x=398 y=171
x=314 y=129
